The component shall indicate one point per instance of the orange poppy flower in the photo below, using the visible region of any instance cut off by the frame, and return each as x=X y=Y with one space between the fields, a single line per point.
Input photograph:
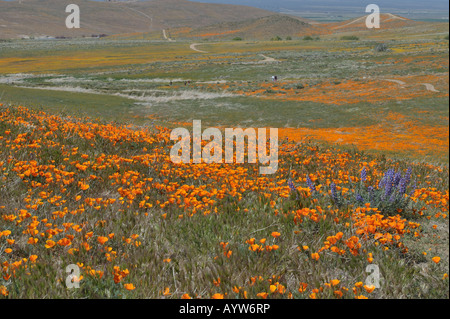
x=436 y=259
x=102 y=239
x=129 y=286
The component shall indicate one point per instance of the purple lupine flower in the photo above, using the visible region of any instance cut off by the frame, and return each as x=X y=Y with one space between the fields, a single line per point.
x=333 y=191
x=370 y=189
x=402 y=186
x=382 y=182
x=405 y=181
x=413 y=189
x=397 y=178
x=385 y=178
x=364 y=174
x=408 y=176
x=310 y=184
x=388 y=190
x=359 y=198
x=389 y=181
x=291 y=185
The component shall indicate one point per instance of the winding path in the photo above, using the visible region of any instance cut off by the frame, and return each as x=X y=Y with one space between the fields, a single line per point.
x=194 y=47
x=428 y=86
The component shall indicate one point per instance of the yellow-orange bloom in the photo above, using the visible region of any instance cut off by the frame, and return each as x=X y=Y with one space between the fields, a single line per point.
x=102 y=239
x=167 y=292
x=129 y=286
x=359 y=284
x=335 y=282
x=49 y=244
x=275 y=234
x=3 y=291
x=262 y=295
x=369 y=289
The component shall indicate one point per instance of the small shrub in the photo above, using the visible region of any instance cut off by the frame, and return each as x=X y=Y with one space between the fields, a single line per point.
x=308 y=38
x=237 y=39
x=381 y=47
x=288 y=38
x=350 y=38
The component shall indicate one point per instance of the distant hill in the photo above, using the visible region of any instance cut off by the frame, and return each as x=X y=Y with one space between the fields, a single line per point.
x=47 y=17
x=387 y=21
x=265 y=28
x=258 y=28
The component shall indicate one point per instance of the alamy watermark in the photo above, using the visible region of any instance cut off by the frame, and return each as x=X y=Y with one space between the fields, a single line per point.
x=73 y=280
x=212 y=152
x=373 y=19
x=73 y=19
x=374 y=279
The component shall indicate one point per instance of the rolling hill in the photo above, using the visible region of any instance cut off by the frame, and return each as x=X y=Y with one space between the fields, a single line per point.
x=258 y=28
x=47 y=17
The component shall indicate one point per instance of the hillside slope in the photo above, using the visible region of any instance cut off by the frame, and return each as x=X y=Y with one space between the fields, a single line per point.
x=47 y=17
x=387 y=21
x=258 y=28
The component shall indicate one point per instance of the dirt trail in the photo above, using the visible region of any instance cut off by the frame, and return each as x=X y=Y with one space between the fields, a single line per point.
x=166 y=37
x=396 y=17
x=430 y=87
x=194 y=47
x=401 y=83
x=268 y=59
x=351 y=22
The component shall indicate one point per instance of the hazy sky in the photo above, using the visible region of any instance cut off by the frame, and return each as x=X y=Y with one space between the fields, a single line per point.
x=345 y=5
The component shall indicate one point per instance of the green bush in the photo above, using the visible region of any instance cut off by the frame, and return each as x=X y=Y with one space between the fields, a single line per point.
x=350 y=38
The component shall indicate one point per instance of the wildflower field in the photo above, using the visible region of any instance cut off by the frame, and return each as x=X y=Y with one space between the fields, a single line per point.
x=86 y=177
